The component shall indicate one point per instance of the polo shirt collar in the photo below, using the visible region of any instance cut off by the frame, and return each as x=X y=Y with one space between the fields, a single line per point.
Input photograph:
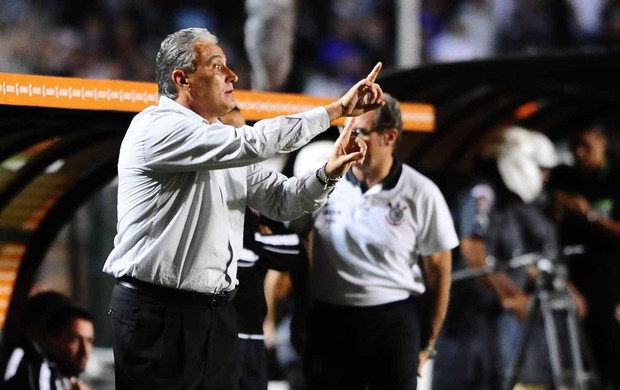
x=167 y=103
x=387 y=183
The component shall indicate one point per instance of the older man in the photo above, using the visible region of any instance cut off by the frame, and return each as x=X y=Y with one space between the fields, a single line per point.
x=185 y=180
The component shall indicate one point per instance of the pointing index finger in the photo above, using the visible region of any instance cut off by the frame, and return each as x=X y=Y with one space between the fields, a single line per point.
x=372 y=76
x=348 y=126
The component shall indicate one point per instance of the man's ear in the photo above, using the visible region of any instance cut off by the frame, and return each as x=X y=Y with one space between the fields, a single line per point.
x=390 y=136
x=180 y=79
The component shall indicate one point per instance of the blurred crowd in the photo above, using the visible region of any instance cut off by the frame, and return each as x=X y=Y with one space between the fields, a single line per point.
x=335 y=41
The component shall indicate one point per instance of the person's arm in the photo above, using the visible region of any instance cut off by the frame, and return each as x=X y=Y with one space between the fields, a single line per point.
x=565 y=202
x=608 y=224
x=177 y=141
x=269 y=324
x=364 y=96
x=437 y=273
x=509 y=294
x=284 y=199
x=283 y=251
x=578 y=205
x=580 y=301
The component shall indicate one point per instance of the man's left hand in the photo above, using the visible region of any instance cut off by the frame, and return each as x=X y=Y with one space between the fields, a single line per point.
x=348 y=149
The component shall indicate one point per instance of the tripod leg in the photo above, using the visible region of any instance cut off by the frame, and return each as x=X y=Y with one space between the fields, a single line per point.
x=584 y=380
x=517 y=362
x=575 y=346
x=575 y=377
x=553 y=342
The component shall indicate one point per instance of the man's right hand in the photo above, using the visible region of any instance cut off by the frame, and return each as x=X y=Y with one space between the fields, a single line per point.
x=364 y=96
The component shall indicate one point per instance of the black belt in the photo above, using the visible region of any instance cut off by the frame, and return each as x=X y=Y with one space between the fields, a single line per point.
x=170 y=294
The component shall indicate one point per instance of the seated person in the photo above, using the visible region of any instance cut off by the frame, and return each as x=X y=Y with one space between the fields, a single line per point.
x=54 y=347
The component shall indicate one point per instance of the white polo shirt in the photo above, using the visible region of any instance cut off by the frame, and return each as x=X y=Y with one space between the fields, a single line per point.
x=366 y=245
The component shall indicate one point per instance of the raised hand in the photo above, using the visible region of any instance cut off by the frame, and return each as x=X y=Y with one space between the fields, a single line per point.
x=348 y=148
x=364 y=96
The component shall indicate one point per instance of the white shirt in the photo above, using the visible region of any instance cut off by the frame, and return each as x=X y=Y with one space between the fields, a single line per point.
x=183 y=188
x=366 y=245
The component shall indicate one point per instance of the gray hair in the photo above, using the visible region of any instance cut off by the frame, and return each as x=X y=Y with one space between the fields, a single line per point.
x=388 y=116
x=177 y=51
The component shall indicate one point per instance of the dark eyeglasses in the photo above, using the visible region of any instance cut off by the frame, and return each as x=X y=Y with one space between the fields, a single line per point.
x=360 y=130
x=364 y=132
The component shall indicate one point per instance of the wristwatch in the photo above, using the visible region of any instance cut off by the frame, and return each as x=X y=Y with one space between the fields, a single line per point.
x=326 y=181
x=430 y=351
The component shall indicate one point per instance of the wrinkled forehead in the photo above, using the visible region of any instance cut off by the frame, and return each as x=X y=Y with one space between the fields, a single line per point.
x=366 y=121
x=208 y=51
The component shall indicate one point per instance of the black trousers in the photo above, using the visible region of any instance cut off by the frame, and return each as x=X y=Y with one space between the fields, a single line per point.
x=357 y=348
x=165 y=344
x=253 y=362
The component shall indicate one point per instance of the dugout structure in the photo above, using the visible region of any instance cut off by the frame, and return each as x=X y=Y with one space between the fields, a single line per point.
x=59 y=137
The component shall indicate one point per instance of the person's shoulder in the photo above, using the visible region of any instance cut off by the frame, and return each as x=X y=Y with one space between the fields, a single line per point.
x=145 y=116
x=476 y=191
x=22 y=362
x=413 y=176
x=418 y=185
x=161 y=121
x=148 y=110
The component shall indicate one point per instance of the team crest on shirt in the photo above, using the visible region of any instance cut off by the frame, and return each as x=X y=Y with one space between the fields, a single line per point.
x=330 y=214
x=396 y=214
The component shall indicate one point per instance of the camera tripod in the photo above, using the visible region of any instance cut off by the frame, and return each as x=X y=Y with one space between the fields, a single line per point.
x=552 y=303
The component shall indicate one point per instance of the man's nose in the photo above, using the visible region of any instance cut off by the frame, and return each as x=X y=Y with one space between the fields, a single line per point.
x=232 y=76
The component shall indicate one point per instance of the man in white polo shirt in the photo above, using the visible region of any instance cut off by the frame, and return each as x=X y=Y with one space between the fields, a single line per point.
x=383 y=239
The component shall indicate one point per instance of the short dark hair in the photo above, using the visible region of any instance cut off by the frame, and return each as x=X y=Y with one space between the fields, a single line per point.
x=389 y=116
x=59 y=320
x=39 y=307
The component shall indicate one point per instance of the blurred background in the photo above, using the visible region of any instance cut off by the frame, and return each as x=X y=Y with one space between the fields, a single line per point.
x=335 y=43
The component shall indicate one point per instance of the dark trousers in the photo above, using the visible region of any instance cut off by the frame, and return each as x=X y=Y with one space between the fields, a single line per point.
x=597 y=276
x=468 y=358
x=356 y=348
x=164 y=344
x=253 y=360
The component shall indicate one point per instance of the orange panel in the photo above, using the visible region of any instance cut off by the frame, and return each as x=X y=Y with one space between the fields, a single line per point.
x=10 y=256
x=65 y=92
x=87 y=94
